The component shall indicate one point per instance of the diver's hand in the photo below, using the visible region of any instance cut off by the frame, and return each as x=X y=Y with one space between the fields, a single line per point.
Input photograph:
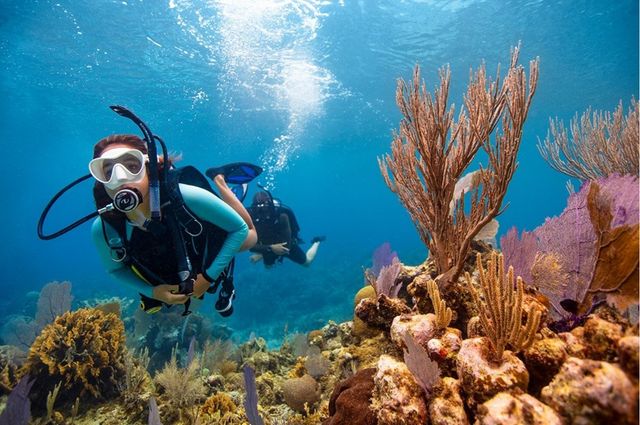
x=279 y=248
x=254 y=258
x=169 y=294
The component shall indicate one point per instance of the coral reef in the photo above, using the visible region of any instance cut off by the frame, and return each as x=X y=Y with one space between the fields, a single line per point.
x=543 y=360
x=481 y=377
x=220 y=409
x=11 y=359
x=381 y=312
x=628 y=354
x=360 y=328
x=84 y=350
x=425 y=345
x=447 y=407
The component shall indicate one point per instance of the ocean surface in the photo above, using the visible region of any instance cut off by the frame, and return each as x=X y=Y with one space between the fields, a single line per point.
x=304 y=88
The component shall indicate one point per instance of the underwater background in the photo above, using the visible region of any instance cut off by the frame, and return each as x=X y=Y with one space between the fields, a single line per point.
x=305 y=89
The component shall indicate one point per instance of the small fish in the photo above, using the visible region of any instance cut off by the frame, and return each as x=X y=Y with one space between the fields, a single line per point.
x=466 y=184
x=574 y=319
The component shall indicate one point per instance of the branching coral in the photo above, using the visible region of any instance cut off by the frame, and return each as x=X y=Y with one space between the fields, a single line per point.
x=601 y=144
x=84 y=350
x=443 y=313
x=501 y=310
x=431 y=151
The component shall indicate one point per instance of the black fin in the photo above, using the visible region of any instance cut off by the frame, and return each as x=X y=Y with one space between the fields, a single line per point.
x=569 y=305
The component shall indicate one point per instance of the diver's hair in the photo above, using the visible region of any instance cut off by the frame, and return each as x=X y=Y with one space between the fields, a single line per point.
x=261 y=197
x=119 y=139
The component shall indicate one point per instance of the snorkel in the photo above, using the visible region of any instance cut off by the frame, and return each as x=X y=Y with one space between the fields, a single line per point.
x=152 y=168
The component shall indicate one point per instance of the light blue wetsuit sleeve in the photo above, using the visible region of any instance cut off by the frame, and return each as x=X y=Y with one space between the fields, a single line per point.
x=117 y=270
x=210 y=208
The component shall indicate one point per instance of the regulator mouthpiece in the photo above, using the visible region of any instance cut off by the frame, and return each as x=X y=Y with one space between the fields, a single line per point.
x=126 y=200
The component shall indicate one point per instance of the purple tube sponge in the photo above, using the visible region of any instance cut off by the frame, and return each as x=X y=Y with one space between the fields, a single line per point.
x=251 y=398
x=18 y=409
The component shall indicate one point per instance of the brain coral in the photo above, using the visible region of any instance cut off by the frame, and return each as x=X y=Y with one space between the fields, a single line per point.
x=84 y=350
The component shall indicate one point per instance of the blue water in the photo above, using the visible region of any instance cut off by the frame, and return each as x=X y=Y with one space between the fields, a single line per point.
x=304 y=88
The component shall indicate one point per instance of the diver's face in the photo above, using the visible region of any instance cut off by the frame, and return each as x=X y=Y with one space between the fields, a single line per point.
x=262 y=210
x=142 y=185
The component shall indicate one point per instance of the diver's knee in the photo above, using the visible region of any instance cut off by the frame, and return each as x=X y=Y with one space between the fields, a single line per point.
x=250 y=241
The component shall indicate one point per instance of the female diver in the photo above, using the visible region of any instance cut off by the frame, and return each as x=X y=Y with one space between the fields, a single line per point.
x=144 y=256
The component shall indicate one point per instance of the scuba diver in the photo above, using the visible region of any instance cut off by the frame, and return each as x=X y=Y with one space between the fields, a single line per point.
x=163 y=229
x=278 y=230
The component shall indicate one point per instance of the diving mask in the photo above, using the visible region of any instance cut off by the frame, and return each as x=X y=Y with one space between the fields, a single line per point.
x=118 y=166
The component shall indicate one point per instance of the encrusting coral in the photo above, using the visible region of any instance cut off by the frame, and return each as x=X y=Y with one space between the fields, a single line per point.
x=84 y=350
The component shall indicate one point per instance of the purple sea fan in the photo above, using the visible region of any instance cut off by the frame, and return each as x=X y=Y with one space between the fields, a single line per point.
x=425 y=370
x=382 y=257
x=571 y=239
x=520 y=253
x=559 y=257
x=54 y=300
x=191 y=353
x=625 y=196
x=386 y=282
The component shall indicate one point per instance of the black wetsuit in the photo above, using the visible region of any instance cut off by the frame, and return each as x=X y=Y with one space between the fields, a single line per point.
x=274 y=227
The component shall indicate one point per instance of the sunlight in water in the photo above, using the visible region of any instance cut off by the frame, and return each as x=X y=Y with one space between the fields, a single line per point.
x=265 y=50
